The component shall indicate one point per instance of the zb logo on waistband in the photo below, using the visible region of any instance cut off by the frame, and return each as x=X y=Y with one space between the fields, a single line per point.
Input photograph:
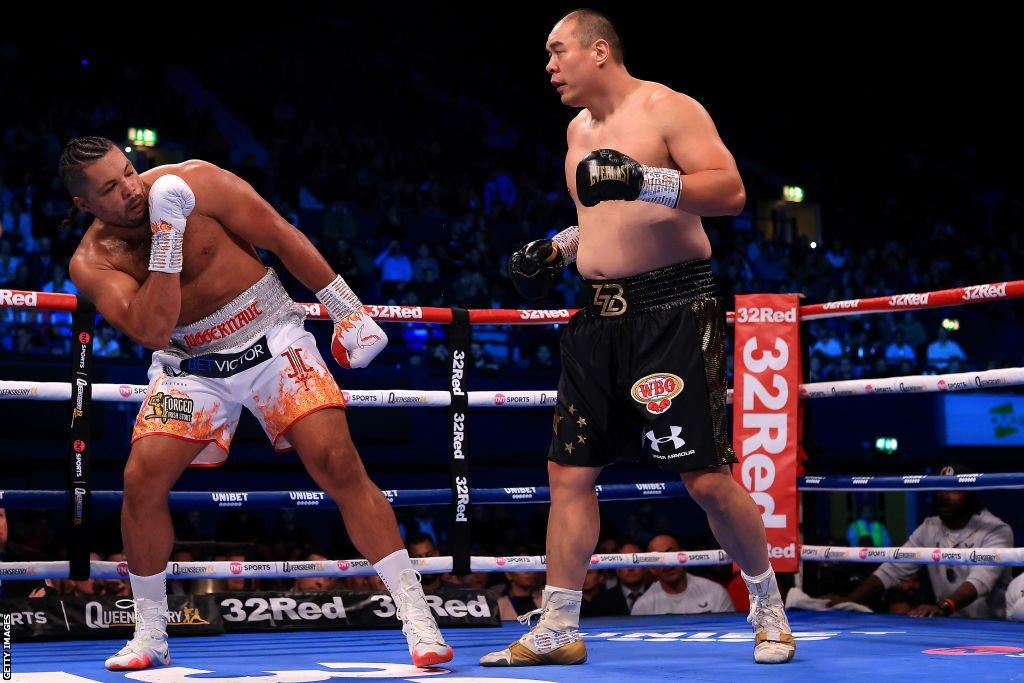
x=609 y=298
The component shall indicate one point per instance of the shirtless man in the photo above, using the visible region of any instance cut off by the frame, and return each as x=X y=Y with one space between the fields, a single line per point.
x=643 y=364
x=170 y=261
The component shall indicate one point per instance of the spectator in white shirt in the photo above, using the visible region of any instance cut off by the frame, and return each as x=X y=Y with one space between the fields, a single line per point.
x=942 y=350
x=977 y=591
x=677 y=591
x=1015 y=599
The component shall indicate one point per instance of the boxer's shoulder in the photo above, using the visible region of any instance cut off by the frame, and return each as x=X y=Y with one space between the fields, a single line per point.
x=577 y=125
x=662 y=102
x=190 y=170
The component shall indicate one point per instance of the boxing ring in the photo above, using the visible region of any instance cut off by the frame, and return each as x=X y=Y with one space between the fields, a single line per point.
x=717 y=647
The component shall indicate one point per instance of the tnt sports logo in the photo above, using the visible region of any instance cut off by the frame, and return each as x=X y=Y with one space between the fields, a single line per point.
x=594 y=559
x=683 y=558
x=84 y=338
x=942 y=385
x=125 y=390
x=656 y=391
x=936 y=555
x=500 y=561
x=974 y=650
x=499 y=399
x=343 y=565
x=166 y=407
x=78 y=445
x=346 y=396
x=236 y=567
x=122 y=569
x=674 y=439
x=863 y=554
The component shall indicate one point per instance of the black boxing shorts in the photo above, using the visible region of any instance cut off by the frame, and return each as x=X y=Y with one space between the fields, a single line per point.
x=643 y=373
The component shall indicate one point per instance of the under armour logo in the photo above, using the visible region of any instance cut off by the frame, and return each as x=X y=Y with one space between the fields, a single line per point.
x=656 y=442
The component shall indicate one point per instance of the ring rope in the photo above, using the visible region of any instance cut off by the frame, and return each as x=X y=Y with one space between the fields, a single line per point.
x=956 y=296
x=403 y=398
x=1001 y=557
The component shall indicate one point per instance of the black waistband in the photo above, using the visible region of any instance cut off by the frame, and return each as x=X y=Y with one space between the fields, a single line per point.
x=220 y=365
x=663 y=288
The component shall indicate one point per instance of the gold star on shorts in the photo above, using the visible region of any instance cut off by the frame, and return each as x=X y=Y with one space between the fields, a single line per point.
x=572 y=409
x=568 y=448
x=581 y=421
x=582 y=439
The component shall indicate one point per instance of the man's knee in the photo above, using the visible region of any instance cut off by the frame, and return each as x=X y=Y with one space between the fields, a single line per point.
x=144 y=482
x=338 y=467
x=710 y=489
x=564 y=479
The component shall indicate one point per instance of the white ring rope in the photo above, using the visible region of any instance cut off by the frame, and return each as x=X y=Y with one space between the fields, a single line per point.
x=397 y=398
x=1002 y=557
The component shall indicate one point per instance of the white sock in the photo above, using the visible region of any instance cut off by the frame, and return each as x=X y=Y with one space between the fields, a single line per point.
x=390 y=570
x=564 y=612
x=150 y=593
x=150 y=587
x=763 y=585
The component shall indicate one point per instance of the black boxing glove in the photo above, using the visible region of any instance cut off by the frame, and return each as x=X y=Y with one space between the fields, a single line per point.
x=607 y=174
x=535 y=268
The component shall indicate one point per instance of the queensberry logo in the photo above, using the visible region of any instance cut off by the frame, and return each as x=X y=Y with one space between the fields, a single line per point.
x=983 y=557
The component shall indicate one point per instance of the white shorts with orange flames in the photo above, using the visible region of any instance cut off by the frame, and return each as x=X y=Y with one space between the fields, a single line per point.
x=280 y=377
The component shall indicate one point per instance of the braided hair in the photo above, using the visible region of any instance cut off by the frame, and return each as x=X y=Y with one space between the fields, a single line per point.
x=76 y=155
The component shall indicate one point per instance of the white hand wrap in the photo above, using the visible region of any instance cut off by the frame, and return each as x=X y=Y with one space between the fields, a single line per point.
x=568 y=242
x=661 y=186
x=339 y=299
x=170 y=202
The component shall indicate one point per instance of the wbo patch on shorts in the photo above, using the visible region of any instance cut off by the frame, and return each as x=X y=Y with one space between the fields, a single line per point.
x=656 y=391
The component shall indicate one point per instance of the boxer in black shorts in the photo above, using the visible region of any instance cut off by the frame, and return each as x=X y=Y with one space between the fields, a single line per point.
x=642 y=363
x=643 y=373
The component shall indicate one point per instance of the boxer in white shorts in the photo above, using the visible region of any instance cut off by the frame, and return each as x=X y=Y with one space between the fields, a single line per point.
x=253 y=352
x=171 y=261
